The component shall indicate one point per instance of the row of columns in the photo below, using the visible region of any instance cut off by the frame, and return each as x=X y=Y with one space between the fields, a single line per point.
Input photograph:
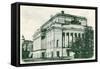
x=69 y=38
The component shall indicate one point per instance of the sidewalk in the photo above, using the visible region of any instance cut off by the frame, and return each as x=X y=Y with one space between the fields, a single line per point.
x=46 y=59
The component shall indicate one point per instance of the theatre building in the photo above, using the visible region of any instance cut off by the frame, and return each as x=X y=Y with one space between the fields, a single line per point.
x=54 y=38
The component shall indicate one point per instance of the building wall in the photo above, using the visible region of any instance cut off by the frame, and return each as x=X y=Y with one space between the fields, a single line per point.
x=37 y=42
x=37 y=46
x=50 y=43
x=58 y=42
x=38 y=54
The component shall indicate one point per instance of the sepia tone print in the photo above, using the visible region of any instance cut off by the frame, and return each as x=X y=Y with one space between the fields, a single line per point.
x=63 y=37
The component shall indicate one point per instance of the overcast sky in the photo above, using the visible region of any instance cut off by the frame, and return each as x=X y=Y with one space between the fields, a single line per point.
x=32 y=17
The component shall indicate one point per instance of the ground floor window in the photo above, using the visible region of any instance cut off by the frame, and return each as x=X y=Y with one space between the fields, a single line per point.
x=58 y=54
x=67 y=51
x=43 y=54
x=52 y=54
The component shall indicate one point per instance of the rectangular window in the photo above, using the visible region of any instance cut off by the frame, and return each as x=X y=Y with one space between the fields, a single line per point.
x=43 y=55
x=57 y=43
x=57 y=53
x=61 y=20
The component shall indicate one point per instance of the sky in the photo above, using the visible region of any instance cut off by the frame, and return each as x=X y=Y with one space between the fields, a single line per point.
x=32 y=17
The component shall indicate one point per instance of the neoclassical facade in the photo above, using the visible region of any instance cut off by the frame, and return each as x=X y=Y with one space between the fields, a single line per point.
x=55 y=37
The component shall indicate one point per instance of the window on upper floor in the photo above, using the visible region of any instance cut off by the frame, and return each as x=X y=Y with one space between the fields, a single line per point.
x=75 y=21
x=61 y=20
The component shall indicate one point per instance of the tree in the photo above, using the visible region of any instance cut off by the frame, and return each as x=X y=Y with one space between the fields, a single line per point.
x=77 y=47
x=83 y=47
x=89 y=42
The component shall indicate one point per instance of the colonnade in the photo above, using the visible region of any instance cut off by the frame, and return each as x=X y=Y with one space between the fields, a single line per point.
x=68 y=38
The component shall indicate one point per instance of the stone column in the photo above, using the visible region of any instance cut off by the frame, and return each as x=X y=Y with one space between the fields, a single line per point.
x=68 y=39
x=65 y=40
x=68 y=43
x=71 y=39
